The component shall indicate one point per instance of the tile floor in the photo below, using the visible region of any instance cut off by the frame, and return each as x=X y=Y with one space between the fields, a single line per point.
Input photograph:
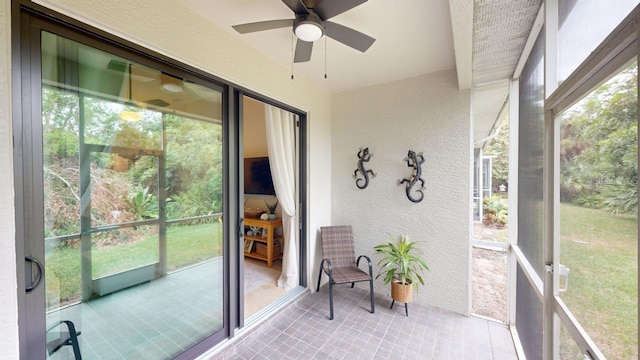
x=303 y=331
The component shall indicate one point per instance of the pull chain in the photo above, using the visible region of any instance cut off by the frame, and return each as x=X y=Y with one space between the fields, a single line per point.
x=325 y=57
x=292 y=53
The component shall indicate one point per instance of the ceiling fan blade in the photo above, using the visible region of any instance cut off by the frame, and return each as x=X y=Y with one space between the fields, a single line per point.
x=330 y=8
x=296 y=6
x=262 y=25
x=348 y=36
x=303 y=51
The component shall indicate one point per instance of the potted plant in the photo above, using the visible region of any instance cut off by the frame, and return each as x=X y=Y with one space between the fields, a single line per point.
x=271 y=209
x=401 y=266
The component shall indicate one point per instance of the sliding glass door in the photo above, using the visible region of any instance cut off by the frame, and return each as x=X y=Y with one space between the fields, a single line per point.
x=127 y=176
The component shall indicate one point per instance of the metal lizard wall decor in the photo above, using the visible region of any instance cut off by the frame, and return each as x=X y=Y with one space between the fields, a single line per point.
x=363 y=156
x=414 y=161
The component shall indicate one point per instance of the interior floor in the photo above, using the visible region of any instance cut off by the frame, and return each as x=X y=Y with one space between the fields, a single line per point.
x=260 y=285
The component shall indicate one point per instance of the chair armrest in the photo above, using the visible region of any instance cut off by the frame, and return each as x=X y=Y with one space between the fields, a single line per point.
x=368 y=262
x=329 y=267
x=70 y=326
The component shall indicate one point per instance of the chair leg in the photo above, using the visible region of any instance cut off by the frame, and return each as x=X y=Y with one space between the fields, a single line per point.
x=330 y=298
x=373 y=306
x=392 y=302
x=319 y=278
x=352 y=284
x=73 y=340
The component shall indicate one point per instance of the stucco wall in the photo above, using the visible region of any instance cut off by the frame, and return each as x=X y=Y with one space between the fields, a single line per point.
x=173 y=30
x=8 y=300
x=427 y=114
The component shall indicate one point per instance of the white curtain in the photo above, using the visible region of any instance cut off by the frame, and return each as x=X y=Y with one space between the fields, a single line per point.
x=282 y=157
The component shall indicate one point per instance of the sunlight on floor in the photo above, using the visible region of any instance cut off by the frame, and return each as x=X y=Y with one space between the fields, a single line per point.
x=261 y=288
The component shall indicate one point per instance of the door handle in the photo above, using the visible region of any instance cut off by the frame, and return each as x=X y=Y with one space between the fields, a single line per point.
x=34 y=283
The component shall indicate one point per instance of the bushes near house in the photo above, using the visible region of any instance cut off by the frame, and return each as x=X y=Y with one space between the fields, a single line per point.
x=495 y=212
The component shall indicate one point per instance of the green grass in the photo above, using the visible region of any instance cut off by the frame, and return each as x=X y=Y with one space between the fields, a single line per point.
x=601 y=251
x=186 y=245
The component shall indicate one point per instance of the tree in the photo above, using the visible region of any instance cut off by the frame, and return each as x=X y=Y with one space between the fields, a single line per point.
x=599 y=147
x=499 y=148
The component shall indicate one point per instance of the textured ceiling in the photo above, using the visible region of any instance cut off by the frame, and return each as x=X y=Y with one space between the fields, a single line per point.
x=500 y=31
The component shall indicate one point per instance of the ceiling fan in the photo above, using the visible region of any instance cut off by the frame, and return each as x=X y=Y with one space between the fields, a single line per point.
x=311 y=23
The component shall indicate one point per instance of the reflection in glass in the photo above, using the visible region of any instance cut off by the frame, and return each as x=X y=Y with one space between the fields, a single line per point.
x=124 y=188
x=132 y=163
x=60 y=162
x=598 y=214
x=122 y=249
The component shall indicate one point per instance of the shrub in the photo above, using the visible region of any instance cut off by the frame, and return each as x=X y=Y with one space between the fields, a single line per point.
x=495 y=212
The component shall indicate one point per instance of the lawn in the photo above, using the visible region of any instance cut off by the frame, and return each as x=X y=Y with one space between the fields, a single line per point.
x=601 y=251
x=186 y=245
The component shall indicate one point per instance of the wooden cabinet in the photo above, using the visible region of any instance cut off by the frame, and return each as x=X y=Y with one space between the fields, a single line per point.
x=270 y=227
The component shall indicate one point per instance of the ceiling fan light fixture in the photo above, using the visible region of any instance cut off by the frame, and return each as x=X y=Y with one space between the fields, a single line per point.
x=127 y=115
x=309 y=29
x=171 y=88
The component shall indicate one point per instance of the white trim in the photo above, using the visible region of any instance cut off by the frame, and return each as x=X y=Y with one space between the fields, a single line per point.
x=531 y=40
x=517 y=343
x=529 y=271
x=461 y=12
x=514 y=127
x=550 y=325
x=616 y=51
x=612 y=54
x=490 y=245
x=573 y=327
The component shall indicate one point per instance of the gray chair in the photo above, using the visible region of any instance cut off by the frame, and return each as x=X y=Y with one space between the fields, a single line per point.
x=339 y=261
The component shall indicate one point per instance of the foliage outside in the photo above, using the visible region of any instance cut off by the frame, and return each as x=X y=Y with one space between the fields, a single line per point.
x=123 y=161
x=499 y=149
x=600 y=249
x=598 y=216
x=598 y=153
x=399 y=261
x=124 y=186
x=186 y=245
x=495 y=212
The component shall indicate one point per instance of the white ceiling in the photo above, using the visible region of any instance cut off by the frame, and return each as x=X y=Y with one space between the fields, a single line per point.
x=482 y=39
x=413 y=37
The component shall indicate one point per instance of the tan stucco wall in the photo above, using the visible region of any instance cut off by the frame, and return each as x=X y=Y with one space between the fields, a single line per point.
x=8 y=300
x=425 y=114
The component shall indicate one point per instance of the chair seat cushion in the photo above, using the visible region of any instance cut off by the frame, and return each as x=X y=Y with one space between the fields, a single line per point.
x=349 y=274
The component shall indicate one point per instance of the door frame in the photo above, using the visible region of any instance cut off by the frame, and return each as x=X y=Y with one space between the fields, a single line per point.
x=26 y=102
x=27 y=158
x=301 y=133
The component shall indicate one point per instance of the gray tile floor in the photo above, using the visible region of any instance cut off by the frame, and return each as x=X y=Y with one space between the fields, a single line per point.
x=303 y=331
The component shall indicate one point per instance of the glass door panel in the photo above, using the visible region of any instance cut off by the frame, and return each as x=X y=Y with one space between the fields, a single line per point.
x=133 y=194
x=126 y=248
x=194 y=191
x=598 y=277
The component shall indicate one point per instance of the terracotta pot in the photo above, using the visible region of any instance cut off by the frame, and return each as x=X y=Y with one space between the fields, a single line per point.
x=401 y=292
